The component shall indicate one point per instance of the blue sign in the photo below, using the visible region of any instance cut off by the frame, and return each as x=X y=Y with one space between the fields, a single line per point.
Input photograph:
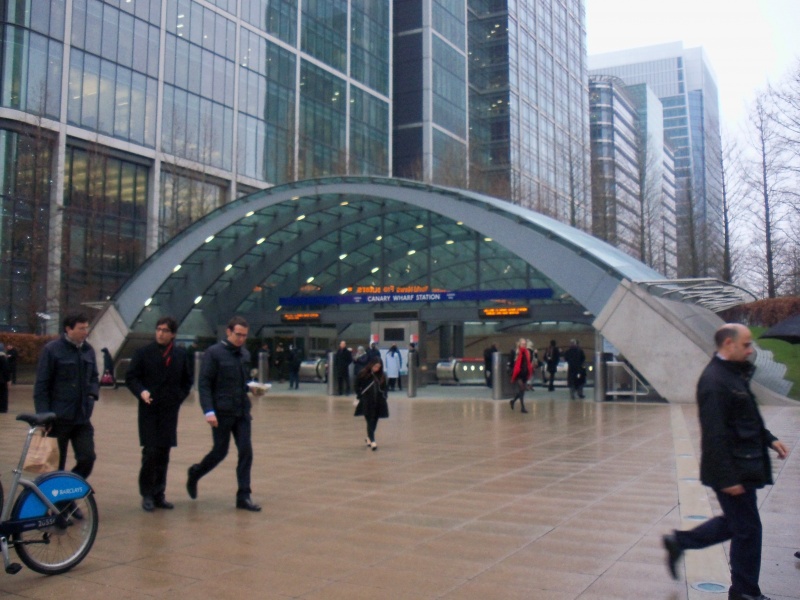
x=376 y=298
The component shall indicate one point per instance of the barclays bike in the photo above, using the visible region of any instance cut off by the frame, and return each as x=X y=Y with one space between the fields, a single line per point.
x=52 y=521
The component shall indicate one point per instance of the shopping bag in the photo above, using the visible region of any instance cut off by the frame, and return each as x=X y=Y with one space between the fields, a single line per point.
x=42 y=454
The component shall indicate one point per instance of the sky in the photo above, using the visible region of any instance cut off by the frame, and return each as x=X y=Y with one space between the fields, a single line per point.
x=748 y=42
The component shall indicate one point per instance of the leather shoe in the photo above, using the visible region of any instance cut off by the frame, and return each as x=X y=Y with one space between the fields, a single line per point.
x=797 y=554
x=737 y=596
x=674 y=553
x=247 y=504
x=162 y=503
x=148 y=504
x=191 y=483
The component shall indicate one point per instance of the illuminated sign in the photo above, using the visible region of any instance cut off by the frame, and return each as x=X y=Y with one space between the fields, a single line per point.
x=505 y=312
x=300 y=317
x=427 y=296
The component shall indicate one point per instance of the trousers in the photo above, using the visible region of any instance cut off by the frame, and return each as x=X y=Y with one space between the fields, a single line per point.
x=741 y=524
x=153 y=474
x=239 y=427
x=81 y=435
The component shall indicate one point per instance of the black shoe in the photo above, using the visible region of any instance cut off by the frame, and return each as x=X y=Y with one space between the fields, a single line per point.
x=737 y=596
x=162 y=503
x=797 y=554
x=523 y=410
x=148 y=504
x=674 y=553
x=512 y=401
x=247 y=504
x=191 y=482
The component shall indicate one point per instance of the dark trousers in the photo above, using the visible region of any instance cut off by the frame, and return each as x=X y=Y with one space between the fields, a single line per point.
x=551 y=376
x=240 y=428
x=372 y=425
x=741 y=524
x=81 y=435
x=153 y=474
x=294 y=379
x=343 y=383
x=3 y=397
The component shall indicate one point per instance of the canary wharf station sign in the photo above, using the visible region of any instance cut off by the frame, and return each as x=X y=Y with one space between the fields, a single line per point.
x=377 y=295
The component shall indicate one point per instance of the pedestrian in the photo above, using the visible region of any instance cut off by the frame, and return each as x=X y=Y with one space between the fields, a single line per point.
x=360 y=359
x=734 y=462
x=487 y=364
x=279 y=363
x=534 y=364
x=575 y=360
x=108 y=369
x=12 y=354
x=520 y=371
x=5 y=377
x=552 y=356
x=223 y=398
x=341 y=368
x=295 y=360
x=374 y=352
x=67 y=384
x=372 y=393
x=394 y=364
x=160 y=377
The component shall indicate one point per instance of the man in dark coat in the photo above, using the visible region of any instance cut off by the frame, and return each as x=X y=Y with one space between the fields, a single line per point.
x=223 y=397
x=67 y=384
x=734 y=462
x=575 y=359
x=341 y=368
x=160 y=376
x=552 y=356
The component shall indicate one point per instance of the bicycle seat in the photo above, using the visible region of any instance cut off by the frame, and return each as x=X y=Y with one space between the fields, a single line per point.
x=38 y=419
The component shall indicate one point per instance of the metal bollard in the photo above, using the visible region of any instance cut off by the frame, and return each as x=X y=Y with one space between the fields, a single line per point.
x=599 y=369
x=331 y=376
x=263 y=367
x=413 y=375
x=198 y=359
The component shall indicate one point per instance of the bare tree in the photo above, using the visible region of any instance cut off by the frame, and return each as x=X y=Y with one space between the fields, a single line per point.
x=733 y=213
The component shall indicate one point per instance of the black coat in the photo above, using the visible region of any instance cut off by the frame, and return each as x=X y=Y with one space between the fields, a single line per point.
x=371 y=393
x=66 y=381
x=168 y=386
x=222 y=384
x=734 y=440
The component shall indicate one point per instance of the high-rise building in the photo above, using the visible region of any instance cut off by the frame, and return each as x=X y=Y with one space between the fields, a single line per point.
x=122 y=122
x=684 y=82
x=633 y=179
x=528 y=105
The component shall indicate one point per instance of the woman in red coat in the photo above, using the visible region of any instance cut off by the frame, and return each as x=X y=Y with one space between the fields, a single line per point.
x=520 y=373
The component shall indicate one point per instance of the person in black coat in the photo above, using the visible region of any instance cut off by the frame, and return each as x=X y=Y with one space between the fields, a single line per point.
x=371 y=389
x=160 y=376
x=552 y=356
x=5 y=377
x=575 y=359
x=341 y=368
x=734 y=462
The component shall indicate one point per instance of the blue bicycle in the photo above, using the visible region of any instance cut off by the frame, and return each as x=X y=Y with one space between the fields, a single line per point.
x=52 y=523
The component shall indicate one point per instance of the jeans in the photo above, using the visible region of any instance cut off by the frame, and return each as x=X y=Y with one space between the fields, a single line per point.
x=741 y=524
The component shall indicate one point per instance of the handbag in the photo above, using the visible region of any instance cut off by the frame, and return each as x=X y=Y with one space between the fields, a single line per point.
x=42 y=454
x=107 y=378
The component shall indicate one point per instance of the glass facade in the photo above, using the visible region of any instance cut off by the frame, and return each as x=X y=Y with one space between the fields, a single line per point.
x=179 y=124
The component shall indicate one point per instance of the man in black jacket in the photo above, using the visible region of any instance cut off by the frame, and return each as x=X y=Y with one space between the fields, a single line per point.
x=223 y=397
x=734 y=462
x=67 y=384
x=160 y=376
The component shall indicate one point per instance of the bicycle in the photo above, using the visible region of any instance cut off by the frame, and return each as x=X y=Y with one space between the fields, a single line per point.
x=52 y=523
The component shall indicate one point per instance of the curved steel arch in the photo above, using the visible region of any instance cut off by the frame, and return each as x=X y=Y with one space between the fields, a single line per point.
x=587 y=269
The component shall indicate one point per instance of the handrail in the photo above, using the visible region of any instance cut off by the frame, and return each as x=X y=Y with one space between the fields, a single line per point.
x=636 y=381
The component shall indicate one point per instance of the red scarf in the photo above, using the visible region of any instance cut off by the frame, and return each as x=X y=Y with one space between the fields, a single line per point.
x=167 y=354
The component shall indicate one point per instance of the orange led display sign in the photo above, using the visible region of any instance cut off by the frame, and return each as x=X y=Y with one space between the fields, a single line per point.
x=300 y=317
x=505 y=312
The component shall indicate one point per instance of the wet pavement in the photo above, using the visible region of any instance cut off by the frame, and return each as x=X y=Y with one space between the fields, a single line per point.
x=464 y=499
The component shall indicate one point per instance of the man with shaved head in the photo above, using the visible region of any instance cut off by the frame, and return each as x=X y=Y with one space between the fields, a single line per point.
x=734 y=462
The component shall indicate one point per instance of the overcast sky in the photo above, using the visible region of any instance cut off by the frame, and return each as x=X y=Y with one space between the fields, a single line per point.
x=748 y=42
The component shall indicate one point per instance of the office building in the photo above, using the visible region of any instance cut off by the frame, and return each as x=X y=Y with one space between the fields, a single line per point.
x=633 y=179
x=123 y=122
x=684 y=82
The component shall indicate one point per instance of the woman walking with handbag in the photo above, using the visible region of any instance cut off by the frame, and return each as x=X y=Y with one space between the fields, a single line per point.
x=520 y=372
x=371 y=392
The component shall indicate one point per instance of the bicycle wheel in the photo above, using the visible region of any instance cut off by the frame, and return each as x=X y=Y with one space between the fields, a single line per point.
x=55 y=549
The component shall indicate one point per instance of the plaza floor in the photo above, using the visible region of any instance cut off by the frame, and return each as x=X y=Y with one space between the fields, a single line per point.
x=464 y=499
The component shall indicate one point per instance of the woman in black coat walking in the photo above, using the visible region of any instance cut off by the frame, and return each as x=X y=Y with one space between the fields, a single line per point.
x=371 y=390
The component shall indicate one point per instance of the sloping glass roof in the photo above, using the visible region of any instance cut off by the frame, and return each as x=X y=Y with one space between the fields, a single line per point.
x=336 y=237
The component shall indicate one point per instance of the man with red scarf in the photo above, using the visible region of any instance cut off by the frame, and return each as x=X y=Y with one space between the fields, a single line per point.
x=520 y=373
x=160 y=376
